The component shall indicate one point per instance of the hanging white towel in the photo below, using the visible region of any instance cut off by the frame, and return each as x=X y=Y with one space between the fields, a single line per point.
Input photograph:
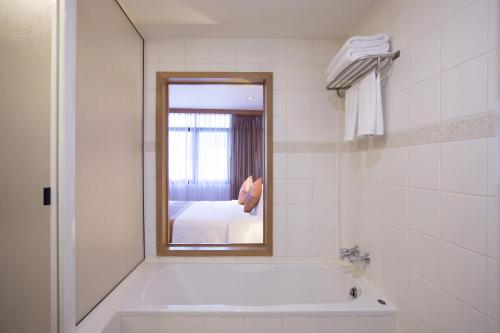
x=370 y=113
x=351 y=113
x=379 y=121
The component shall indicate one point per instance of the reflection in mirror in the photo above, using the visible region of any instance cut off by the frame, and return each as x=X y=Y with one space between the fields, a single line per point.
x=215 y=163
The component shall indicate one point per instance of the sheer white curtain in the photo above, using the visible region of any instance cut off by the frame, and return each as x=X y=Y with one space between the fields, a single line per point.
x=199 y=151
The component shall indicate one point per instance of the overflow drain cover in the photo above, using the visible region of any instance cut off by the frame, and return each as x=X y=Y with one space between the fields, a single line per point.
x=353 y=292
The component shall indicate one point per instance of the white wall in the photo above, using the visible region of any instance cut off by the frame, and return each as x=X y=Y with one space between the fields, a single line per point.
x=109 y=87
x=27 y=227
x=305 y=155
x=424 y=203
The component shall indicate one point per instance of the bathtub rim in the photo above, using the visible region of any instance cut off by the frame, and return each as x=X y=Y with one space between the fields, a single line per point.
x=336 y=269
x=365 y=305
x=114 y=305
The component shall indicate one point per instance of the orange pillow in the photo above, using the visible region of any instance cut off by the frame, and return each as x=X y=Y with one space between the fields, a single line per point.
x=245 y=187
x=253 y=196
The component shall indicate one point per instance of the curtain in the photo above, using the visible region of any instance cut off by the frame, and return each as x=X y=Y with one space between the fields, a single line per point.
x=247 y=148
x=199 y=148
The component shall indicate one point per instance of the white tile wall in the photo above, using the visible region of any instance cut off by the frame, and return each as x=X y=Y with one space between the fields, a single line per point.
x=167 y=324
x=464 y=221
x=424 y=164
x=305 y=184
x=464 y=166
x=451 y=7
x=493 y=75
x=464 y=89
x=376 y=325
x=443 y=67
x=248 y=51
x=441 y=267
x=197 y=50
x=263 y=325
x=299 y=51
x=410 y=323
x=424 y=300
x=185 y=324
x=425 y=56
x=461 y=272
x=274 y=51
x=493 y=228
x=464 y=35
x=423 y=258
x=451 y=234
x=425 y=16
x=493 y=26
x=299 y=325
x=427 y=213
x=398 y=111
x=458 y=318
x=171 y=52
x=424 y=211
x=341 y=325
x=425 y=102
x=224 y=325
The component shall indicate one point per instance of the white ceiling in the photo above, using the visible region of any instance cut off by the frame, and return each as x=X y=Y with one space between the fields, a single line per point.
x=215 y=96
x=245 y=18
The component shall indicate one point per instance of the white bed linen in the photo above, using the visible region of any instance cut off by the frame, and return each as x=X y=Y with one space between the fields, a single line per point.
x=217 y=222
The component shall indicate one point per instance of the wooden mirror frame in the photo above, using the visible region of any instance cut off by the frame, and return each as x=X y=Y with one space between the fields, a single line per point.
x=163 y=247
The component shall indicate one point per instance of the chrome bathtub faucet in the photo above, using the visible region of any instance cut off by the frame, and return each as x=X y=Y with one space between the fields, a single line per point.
x=347 y=253
x=354 y=255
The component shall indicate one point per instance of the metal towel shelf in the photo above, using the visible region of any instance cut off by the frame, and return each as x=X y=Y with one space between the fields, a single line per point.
x=358 y=69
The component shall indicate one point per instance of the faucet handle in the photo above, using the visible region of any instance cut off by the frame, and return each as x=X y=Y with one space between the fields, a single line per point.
x=353 y=250
x=347 y=252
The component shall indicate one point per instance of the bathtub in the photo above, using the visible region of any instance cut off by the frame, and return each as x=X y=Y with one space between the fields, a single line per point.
x=252 y=297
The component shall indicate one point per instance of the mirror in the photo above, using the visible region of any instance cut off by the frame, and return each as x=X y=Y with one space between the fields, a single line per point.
x=217 y=138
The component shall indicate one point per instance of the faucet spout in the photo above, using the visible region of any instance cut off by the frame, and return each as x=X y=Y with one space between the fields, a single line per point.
x=360 y=258
x=354 y=256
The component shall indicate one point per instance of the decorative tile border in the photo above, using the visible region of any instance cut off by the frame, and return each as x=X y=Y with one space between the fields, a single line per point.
x=478 y=126
x=283 y=147
x=469 y=128
x=305 y=147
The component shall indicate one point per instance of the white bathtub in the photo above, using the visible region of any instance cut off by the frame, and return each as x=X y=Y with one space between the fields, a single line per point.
x=251 y=297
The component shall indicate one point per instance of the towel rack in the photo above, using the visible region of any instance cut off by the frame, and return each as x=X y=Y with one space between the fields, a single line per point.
x=358 y=69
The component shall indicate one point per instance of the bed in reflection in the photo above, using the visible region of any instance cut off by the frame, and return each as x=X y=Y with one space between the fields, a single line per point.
x=214 y=222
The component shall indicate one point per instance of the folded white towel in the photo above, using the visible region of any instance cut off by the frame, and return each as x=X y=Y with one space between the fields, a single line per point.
x=347 y=56
x=356 y=41
x=359 y=42
x=370 y=114
x=351 y=113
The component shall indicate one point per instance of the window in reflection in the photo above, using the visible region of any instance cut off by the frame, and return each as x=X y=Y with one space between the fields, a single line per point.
x=199 y=156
